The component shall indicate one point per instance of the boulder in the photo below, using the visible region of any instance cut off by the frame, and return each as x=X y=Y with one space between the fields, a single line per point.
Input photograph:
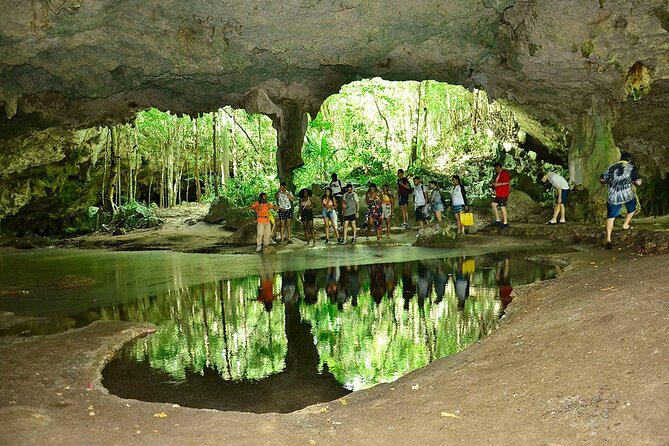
x=246 y=235
x=218 y=210
x=522 y=208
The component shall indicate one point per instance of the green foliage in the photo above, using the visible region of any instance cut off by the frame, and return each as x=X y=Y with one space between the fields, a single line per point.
x=135 y=215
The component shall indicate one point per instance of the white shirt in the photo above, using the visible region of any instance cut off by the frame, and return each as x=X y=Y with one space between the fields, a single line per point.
x=557 y=181
x=336 y=187
x=456 y=196
x=419 y=195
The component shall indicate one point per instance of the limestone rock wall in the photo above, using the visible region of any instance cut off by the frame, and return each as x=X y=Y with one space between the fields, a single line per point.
x=78 y=63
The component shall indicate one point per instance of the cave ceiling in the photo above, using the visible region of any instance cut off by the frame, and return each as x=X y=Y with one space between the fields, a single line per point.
x=80 y=63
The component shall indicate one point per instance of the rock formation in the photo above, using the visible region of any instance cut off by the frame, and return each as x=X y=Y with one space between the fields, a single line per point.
x=596 y=69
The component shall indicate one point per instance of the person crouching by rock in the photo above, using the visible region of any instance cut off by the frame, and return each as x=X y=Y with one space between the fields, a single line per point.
x=262 y=208
x=561 y=193
x=619 y=178
x=436 y=201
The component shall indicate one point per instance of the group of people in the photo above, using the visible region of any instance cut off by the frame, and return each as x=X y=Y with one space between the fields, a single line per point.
x=341 y=203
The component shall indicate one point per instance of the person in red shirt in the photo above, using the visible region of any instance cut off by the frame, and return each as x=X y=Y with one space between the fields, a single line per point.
x=502 y=187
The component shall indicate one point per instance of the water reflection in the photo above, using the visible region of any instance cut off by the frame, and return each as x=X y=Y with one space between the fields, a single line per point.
x=316 y=334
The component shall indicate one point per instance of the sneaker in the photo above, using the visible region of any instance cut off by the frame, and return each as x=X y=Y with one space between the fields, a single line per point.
x=259 y=249
x=327 y=241
x=608 y=245
x=353 y=240
x=497 y=223
x=504 y=225
x=290 y=241
x=272 y=241
x=341 y=241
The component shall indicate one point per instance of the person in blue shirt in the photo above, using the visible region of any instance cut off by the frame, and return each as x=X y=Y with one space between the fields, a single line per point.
x=619 y=178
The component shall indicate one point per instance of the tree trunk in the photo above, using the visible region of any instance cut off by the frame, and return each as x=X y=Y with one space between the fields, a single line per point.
x=113 y=171
x=196 y=172
x=215 y=169
x=225 y=168
x=385 y=120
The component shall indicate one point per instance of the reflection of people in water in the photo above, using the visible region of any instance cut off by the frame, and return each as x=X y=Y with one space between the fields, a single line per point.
x=424 y=283
x=353 y=283
x=377 y=284
x=310 y=287
x=462 y=281
x=440 y=280
x=331 y=279
x=408 y=287
x=504 y=283
x=266 y=290
x=288 y=282
x=342 y=290
x=391 y=282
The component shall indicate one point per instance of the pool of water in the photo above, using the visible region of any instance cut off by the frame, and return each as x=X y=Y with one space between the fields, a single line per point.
x=266 y=341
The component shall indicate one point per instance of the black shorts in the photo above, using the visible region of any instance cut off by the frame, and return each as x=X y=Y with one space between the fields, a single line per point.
x=349 y=217
x=419 y=213
x=404 y=199
x=501 y=201
x=307 y=215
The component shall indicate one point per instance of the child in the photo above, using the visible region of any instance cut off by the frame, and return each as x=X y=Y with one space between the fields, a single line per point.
x=435 y=200
x=263 y=230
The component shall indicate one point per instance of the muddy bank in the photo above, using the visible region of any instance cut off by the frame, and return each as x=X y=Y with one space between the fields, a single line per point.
x=582 y=359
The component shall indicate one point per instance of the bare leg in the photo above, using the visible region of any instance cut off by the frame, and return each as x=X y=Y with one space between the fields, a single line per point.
x=494 y=209
x=438 y=215
x=388 y=227
x=355 y=228
x=313 y=232
x=370 y=223
x=290 y=229
x=628 y=219
x=457 y=221
x=563 y=218
x=556 y=212
x=336 y=229
x=609 y=229
x=306 y=231
x=504 y=215
x=327 y=229
x=345 y=228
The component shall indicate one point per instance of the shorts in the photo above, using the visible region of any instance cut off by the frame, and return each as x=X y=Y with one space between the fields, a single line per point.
x=285 y=214
x=307 y=215
x=438 y=207
x=458 y=208
x=565 y=194
x=349 y=217
x=404 y=200
x=329 y=214
x=501 y=201
x=387 y=210
x=419 y=213
x=613 y=210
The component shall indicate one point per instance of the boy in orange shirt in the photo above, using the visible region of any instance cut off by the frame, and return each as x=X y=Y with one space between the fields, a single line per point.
x=264 y=228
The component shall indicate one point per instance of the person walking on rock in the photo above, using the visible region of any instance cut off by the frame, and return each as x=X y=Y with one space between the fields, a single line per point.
x=285 y=201
x=458 y=201
x=420 y=201
x=502 y=187
x=561 y=187
x=263 y=229
x=351 y=211
x=403 y=192
x=338 y=194
x=619 y=178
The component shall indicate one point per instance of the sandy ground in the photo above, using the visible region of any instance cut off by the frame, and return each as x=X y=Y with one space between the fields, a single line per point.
x=581 y=359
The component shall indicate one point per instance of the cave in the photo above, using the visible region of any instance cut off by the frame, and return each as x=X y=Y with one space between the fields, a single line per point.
x=585 y=81
x=577 y=359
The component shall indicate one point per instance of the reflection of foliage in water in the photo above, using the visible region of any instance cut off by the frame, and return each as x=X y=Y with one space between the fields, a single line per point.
x=372 y=343
x=361 y=344
x=249 y=343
